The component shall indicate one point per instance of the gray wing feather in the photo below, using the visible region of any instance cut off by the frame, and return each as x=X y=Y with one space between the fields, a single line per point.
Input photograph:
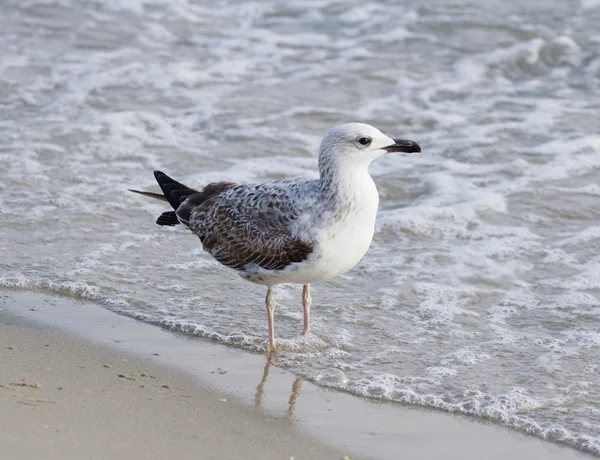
x=250 y=224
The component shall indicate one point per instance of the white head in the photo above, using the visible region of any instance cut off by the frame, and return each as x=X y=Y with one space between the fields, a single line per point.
x=358 y=144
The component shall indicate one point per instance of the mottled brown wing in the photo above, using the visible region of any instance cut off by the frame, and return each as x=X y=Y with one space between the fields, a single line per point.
x=250 y=228
x=202 y=200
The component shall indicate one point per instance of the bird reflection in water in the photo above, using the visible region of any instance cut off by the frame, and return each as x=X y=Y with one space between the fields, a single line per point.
x=260 y=391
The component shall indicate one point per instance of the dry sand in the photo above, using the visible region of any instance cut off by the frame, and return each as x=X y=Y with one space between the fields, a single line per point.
x=80 y=382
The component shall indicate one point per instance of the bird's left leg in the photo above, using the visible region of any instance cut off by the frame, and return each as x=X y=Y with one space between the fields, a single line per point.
x=306 y=302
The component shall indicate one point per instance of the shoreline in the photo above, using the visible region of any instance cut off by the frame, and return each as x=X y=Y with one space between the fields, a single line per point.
x=277 y=414
x=62 y=396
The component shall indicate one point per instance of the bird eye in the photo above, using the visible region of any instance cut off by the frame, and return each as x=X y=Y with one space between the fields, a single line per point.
x=364 y=141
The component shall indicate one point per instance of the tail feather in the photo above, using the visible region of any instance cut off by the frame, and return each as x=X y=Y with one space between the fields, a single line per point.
x=156 y=196
x=176 y=193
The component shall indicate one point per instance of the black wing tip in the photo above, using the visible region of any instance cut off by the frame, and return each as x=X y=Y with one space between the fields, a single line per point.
x=168 y=218
x=175 y=192
x=159 y=174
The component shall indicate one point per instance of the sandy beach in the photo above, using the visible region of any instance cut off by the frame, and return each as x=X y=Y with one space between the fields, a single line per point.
x=64 y=398
x=77 y=381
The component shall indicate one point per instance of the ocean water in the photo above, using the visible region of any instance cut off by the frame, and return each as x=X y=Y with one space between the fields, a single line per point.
x=480 y=294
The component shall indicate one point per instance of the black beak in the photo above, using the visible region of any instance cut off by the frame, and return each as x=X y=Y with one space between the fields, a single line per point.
x=400 y=145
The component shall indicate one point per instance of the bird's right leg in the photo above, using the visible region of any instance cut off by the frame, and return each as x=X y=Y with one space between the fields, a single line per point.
x=270 y=311
x=306 y=302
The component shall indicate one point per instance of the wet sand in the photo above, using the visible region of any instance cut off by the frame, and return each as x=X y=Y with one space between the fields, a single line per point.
x=77 y=381
x=61 y=397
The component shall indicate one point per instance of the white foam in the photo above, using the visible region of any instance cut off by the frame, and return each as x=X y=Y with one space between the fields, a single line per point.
x=590 y=4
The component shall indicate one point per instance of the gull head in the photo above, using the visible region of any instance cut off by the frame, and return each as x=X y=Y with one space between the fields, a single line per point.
x=360 y=144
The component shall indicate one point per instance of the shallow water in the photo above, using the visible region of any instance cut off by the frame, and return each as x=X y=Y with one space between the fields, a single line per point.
x=481 y=291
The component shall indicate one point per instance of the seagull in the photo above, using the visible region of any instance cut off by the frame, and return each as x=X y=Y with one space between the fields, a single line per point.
x=293 y=230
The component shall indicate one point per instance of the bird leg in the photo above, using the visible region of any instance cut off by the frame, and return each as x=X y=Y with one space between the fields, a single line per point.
x=270 y=311
x=306 y=302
